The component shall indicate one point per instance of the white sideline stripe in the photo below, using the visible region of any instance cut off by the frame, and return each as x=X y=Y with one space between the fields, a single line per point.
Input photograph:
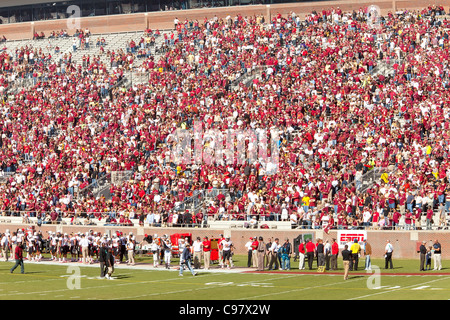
x=87 y=288
x=301 y=289
x=403 y=288
x=206 y=287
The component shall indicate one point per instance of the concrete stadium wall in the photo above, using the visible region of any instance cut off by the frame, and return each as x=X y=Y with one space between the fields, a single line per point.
x=404 y=242
x=164 y=19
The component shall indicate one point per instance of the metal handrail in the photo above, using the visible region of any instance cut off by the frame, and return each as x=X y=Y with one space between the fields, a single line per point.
x=98 y=184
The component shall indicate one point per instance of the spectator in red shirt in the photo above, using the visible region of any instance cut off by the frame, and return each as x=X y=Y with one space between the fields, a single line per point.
x=310 y=250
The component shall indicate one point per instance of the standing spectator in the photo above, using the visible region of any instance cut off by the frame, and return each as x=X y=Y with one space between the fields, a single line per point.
x=206 y=245
x=109 y=263
x=268 y=257
x=346 y=257
x=310 y=249
x=274 y=255
x=18 y=255
x=428 y=258
x=320 y=253
x=254 y=247
x=261 y=253
x=130 y=252
x=327 y=249
x=102 y=257
x=248 y=246
x=286 y=251
x=198 y=250
x=367 y=253
x=429 y=214
x=334 y=254
x=301 y=255
x=356 y=250
x=437 y=250
x=423 y=255
x=388 y=250
x=84 y=245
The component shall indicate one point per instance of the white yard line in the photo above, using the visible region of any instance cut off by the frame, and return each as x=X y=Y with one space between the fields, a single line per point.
x=198 y=289
x=396 y=289
x=301 y=289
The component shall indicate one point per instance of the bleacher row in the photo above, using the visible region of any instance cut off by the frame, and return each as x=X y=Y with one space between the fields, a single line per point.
x=113 y=42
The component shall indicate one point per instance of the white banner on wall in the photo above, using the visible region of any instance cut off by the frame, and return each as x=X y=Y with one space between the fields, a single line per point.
x=348 y=237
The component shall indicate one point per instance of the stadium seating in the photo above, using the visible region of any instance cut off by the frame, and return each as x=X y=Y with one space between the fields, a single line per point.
x=360 y=109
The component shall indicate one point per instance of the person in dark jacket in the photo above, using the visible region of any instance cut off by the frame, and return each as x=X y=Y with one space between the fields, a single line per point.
x=102 y=258
x=346 y=257
x=18 y=254
x=185 y=260
x=423 y=253
x=109 y=263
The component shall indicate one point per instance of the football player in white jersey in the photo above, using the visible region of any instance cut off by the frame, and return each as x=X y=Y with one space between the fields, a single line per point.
x=227 y=247
x=167 y=252
x=65 y=247
x=52 y=240
x=29 y=240
x=154 y=248
x=73 y=244
x=37 y=247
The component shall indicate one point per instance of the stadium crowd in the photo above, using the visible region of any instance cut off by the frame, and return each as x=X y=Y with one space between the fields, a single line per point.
x=316 y=85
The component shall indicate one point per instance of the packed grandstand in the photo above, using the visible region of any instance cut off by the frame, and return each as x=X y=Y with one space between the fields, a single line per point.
x=361 y=107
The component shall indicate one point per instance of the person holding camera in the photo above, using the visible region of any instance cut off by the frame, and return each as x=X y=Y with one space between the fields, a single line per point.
x=185 y=260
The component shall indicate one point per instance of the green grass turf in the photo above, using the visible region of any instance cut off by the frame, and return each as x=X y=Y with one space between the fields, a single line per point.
x=58 y=282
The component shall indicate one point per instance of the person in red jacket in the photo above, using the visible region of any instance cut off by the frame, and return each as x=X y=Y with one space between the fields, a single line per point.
x=334 y=254
x=18 y=255
x=302 y=254
x=429 y=218
x=310 y=249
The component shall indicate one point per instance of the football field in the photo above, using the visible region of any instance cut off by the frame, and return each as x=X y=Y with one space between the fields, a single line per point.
x=75 y=281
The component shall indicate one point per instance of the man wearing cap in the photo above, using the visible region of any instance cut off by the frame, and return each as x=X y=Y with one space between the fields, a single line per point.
x=261 y=253
x=356 y=250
